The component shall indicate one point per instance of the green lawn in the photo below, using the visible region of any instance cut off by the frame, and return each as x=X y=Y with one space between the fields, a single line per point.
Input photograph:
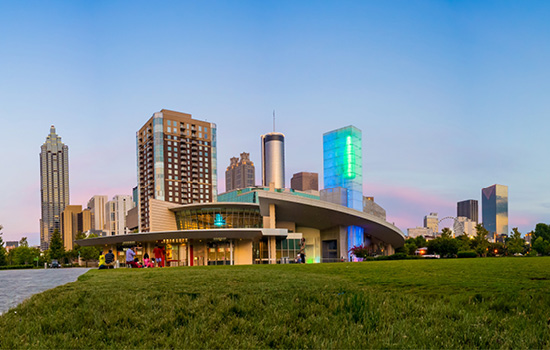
x=455 y=303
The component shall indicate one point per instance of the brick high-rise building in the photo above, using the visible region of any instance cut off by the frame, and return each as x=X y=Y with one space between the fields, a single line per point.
x=176 y=161
x=54 y=185
x=305 y=181
x=240 y=173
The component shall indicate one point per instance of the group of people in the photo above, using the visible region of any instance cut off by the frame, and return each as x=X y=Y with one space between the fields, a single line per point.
x=107 y=261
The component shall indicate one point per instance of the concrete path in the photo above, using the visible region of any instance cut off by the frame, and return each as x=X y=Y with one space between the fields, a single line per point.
x=18 y=285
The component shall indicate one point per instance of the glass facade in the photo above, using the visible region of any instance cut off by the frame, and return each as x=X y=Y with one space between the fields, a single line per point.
x=343 y=167
x=342 y=163
x=248 y=195
x=215 y=218
x=494 y=204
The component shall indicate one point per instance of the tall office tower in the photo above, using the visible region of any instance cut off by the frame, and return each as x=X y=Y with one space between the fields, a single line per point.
x=73 y=221
x=96 y=204
x=273 y=159
x=468 y=209
x=176 y=161
x=431 y=221
x=115 y=214
x=342 y=163
x=305 y=181
x=343 y=172
x=240 y=173
x=494 y=209
x=54 y=185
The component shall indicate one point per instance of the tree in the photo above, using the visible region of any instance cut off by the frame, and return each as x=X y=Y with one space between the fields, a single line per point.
x=3 y=260
x=446 y=233
x=542 y=230
x=23 y=255
x=89 y=253
x=23 y=242
x=410 y=246
x=57 y=249
x=480 y=243
x=515 y=244
x=541 y=246
x=464 y=243
x=444 y=245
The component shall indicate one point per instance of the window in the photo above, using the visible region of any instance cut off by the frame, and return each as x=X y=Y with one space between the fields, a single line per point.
x=168 y=122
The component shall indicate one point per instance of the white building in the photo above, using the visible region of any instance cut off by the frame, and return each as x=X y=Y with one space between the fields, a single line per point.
x=96 y=204
x=115 y=214
x=419 y=231
x=469 y=226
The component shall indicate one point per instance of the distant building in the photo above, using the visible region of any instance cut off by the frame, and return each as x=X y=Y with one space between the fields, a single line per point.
x=240 y=173
x=54 y=185
x=370 y=207
x=494 y=201
x=305 y=181
x=176 y=160
x=96 y=204
x=74 y=220
x=132 y=220
x=468 y=209
x=273 y=159
x=419 y=231
x=336 y=195
x=468 y=226
x=528 y=237
x=11 y=245
x=431 y=221
x=116 y=211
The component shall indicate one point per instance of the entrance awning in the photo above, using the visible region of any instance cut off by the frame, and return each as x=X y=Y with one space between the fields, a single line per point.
x=228 y=233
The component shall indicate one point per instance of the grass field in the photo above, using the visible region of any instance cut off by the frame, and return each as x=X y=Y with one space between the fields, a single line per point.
x=454 y=303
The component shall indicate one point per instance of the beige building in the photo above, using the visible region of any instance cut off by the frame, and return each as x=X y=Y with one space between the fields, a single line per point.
x=419 y=231
x=176 y=161
x=432 y=222
x=73 y=221
x=96 y=204
x=240 y=173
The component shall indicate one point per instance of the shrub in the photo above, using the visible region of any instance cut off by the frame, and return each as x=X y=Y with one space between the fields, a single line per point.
x=467 y=254
x=398 y=256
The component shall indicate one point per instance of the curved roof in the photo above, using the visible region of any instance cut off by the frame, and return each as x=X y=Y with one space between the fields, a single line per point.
x=323 y=215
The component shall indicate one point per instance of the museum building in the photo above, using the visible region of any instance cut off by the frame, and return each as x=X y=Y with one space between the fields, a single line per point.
x=256 y=225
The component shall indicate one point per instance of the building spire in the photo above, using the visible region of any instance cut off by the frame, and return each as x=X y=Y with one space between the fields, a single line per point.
x=273 y=120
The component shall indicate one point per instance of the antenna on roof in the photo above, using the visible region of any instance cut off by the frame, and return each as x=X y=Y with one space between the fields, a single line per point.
x=273 y=120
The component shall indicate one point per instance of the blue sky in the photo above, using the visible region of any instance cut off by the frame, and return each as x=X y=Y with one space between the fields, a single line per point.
x=451 y=96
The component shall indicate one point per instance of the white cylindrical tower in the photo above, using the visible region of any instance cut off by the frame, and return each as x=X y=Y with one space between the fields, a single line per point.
x=273 y=159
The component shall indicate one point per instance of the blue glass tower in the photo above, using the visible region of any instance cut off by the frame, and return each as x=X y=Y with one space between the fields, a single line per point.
x=342 y=165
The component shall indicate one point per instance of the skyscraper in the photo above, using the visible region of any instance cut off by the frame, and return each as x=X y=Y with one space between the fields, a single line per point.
x=305 y=181
x=342 y=163
x=468 y=209
x=54 y=185
x=273 y=159
x=176 y=161
x=494 y=206
x=343 y=173
x=240 y=173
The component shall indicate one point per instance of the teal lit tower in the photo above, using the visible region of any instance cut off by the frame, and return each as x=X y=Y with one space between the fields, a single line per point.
x=343 y=172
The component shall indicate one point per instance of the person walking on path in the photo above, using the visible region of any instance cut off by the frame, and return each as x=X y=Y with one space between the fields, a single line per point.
x=159 y=255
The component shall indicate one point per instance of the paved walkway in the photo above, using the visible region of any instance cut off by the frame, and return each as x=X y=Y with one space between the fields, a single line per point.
x=18 y=285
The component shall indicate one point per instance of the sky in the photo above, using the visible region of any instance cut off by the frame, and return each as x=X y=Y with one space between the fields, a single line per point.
x=451 y=96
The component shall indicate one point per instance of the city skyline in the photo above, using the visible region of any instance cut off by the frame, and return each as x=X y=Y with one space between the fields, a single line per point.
x=426 y=84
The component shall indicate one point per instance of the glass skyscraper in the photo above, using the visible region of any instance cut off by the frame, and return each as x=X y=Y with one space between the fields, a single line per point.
x=343 y=169
x=54 y=185
x=494 y=208
x=342 y=163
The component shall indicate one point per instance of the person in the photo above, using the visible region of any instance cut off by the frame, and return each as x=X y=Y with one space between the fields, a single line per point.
x=101 y=265
x=145 y=259
x=130 y=254
x=151 y=263
x=158 y=252
x=302 y=250
x=110 y=259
